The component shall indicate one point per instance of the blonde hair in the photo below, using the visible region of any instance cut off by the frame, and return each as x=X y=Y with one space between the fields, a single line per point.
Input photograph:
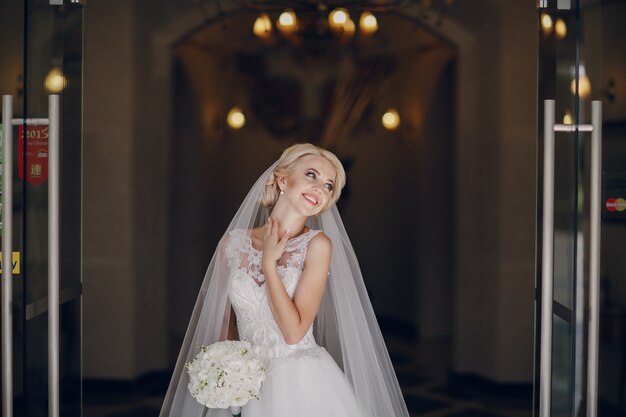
x=286 y=165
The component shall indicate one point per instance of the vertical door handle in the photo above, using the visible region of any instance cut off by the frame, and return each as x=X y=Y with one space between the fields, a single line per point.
x=7 y=251
x=54 y=243
x=547 y=260
x=548 y=253
x=594 y=258
x=53 y=251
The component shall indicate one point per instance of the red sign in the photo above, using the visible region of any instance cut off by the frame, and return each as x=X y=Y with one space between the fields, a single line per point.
x=36 y=154
x=615 y=204
x=610 y=204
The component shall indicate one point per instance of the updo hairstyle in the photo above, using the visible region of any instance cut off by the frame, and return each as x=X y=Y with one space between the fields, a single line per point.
x=286 y=165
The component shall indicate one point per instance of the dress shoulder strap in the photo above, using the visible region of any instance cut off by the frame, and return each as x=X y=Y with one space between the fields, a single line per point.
x=297 y=247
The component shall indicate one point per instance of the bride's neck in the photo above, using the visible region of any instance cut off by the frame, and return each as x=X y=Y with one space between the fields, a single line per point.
x=288 y=219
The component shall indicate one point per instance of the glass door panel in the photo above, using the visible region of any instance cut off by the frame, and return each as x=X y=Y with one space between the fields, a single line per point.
x=582 y=62
x=43 y=45
x=560 y=333
x=559 y=281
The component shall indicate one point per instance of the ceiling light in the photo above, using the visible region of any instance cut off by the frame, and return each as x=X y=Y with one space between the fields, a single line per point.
x=546 y=23
x=349 y=29
x=560 y=28
x=584 y=86
x=235 y=118
x=55 y=81
x=287 y=22
x=368 y=24
x=391 y=119
x=338 y=17
x=262 y=26
x=567 y=118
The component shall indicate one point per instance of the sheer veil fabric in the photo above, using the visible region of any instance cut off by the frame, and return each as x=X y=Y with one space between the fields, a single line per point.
x=345 y=325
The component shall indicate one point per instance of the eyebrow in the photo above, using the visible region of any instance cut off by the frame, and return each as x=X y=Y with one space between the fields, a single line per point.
x=318 y=173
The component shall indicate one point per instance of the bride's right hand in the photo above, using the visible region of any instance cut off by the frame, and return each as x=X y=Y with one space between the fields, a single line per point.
x=273 y=246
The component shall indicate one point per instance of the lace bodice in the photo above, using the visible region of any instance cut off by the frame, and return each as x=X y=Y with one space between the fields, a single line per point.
x=255 y=322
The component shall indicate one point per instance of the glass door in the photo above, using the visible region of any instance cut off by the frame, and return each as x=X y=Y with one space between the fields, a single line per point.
x=41 y=47
x=559 y=344
x=581 y=300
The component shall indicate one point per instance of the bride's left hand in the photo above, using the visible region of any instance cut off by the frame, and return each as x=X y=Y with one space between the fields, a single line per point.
x=273 y=246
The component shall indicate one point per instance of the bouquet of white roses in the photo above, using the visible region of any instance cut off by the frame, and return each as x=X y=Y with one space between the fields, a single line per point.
x=225 y=374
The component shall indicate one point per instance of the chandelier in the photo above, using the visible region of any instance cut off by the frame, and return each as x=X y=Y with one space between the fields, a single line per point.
x=305 y=21
x=300 y=26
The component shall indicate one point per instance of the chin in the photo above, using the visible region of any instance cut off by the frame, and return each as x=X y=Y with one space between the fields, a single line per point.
x=310 y=213
x=318 y=211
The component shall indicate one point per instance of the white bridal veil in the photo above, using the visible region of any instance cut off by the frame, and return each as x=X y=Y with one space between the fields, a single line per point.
x=345 y=324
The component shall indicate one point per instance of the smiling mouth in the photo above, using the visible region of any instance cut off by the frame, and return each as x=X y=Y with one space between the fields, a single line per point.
x=311 y=199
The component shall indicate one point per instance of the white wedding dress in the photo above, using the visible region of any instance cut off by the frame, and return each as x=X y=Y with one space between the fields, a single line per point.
x=302 y=380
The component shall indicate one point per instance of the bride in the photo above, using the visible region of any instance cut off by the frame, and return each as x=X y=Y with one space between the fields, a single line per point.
x=285 y=278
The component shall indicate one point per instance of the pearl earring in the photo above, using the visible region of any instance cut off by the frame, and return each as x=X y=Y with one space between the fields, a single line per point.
x=282 y=192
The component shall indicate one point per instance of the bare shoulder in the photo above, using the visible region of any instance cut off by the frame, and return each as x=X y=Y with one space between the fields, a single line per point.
x=257 y=232
x=318 y=254
x=320 y=245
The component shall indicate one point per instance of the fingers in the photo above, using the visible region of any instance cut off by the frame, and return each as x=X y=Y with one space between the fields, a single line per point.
x=275 y=229
x=268 y=228
x=272 y=230
x=284 y=237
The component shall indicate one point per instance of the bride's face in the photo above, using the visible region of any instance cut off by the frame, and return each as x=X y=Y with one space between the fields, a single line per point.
x=310 y=185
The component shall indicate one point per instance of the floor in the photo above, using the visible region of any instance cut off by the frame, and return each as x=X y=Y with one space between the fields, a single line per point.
x=429 y=390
